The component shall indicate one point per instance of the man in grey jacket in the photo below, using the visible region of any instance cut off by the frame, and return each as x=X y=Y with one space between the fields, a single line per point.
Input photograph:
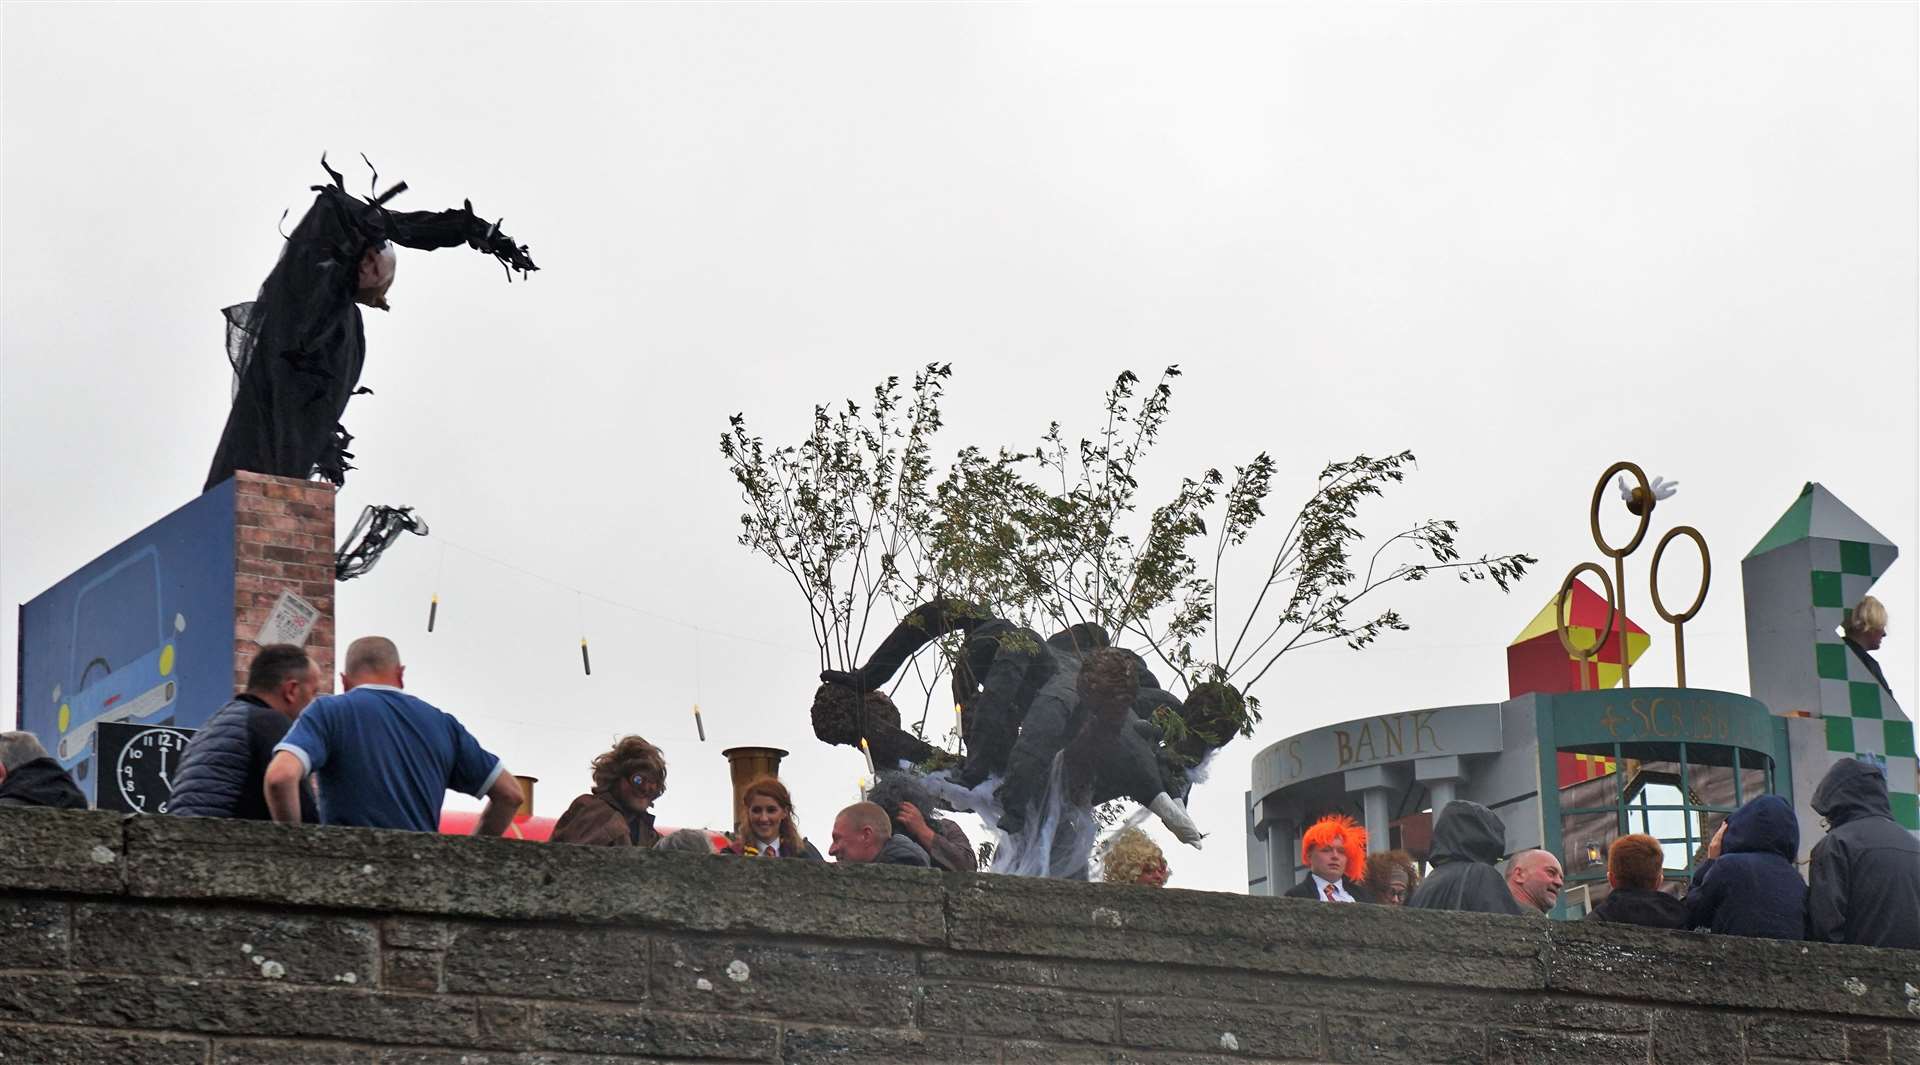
x=221 y=772
x=863 y=833
x=1864 y=880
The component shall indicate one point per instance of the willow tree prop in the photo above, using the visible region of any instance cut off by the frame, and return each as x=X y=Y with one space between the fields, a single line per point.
x=965 y=568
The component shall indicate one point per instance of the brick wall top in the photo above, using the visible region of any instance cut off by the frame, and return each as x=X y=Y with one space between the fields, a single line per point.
x=392 y=947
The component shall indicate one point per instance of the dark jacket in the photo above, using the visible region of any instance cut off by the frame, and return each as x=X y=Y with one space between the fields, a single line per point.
x=1306 y=889
x=899 y=850
x=223 y=770
x=1468 y=839
x=594 y=821
x=1641 y=906
x=1752 y=889
x=41 y=782
x=1865 y=875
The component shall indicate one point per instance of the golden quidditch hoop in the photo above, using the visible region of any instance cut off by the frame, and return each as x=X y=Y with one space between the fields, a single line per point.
x=1679 y=620
x=1579 y=655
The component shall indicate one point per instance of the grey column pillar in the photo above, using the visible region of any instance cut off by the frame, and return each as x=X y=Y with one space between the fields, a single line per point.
x=1282 y=843
x=1377 y=786
x=1442 y=777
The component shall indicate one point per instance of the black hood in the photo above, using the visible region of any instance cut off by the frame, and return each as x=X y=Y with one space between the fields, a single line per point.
x=1468 y=832
x=1851 y=790
x=1766 y=825
x=41 y=782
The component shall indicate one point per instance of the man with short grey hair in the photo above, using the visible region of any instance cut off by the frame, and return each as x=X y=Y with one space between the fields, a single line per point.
x=29 y=778
x=383 y=757
x=1535 y=879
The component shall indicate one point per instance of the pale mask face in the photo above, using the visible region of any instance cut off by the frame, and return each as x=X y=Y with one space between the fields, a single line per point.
x=376 y=276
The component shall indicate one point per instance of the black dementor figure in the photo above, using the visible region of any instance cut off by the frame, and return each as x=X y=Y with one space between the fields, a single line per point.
x=297 y=349
x=1022 y=704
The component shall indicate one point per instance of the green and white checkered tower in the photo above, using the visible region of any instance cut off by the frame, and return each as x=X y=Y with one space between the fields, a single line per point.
x=1801 y=580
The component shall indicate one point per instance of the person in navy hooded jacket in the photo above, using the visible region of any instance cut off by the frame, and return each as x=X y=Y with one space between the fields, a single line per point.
x=1748 y=885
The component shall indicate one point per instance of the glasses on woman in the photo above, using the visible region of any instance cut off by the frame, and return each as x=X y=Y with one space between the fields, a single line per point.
x=646 y=785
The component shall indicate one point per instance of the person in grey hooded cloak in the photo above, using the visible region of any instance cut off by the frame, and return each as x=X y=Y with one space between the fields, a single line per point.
x=1468 y=839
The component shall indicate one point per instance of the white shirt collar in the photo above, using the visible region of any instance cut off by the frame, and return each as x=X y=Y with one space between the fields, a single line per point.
x=1320 y=888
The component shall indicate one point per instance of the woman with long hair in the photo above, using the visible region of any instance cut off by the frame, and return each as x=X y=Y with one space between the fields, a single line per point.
x=618 y=811
x=768 y=830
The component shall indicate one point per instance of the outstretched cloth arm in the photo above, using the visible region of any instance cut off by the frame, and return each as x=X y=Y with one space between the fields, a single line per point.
x=923 y=625
x=427 y=230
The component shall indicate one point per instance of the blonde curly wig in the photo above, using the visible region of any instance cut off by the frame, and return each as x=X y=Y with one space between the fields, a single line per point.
x=1131 y=854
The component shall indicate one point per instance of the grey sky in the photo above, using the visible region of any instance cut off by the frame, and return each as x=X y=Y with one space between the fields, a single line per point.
x=1523 y=240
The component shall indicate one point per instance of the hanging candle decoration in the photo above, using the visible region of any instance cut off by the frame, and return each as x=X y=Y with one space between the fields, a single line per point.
x=698 y=724
x=433 y=608
x=586 y=663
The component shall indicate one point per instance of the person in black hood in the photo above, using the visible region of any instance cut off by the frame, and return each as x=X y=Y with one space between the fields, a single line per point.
x=1748 y=885
x=1468 y=839
x=1634 y=872
x=29 y=778
x=1865 y=875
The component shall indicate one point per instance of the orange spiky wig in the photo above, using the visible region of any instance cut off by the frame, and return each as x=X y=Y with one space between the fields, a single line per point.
x=1341 y=831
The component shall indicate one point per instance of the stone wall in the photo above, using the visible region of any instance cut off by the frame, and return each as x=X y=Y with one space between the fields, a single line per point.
x=169 y=941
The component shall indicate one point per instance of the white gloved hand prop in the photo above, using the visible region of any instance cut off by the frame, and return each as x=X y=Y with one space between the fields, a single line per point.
x=1174 y=816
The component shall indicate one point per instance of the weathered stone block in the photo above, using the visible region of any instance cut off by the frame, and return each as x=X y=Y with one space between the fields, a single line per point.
x=1213 y=1027
x=1409 y=1037
x=596 y=964
x=282 y=1052
x=1289 y=936
x=634 y=1031
x=503 y=1024
x=1693 y=1036
x=1623 y=962
x=33 y=1045
x=427 y=874
x=416 y=934
x=1535 y=1046
x=879 y=1046
x=1869 y=1046
x=237 y=1008
x=410 y=970
x=1110 y=977
x=81 y=851
x=34 y=932
x=417 y=1056
x=814 y=984
x=1031 y=1052
x=1027 y=1012
x=228 y=943
x=1796 y=1039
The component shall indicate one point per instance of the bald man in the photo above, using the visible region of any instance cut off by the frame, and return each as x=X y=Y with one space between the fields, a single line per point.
x=1534 y=878
x=384 y=758
x=864 y=833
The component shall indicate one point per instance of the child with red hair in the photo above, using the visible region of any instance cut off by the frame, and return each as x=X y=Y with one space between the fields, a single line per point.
x=1334 y=850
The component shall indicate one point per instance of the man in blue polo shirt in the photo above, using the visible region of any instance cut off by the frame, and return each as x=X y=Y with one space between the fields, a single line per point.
x=384 y=758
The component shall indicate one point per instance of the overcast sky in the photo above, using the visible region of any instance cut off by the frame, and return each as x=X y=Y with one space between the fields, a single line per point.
x=1522 y=240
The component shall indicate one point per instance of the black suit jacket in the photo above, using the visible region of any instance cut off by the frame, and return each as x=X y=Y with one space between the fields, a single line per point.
x=1306 y=889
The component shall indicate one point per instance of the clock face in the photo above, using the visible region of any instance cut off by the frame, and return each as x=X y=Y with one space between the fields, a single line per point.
x=146 y=766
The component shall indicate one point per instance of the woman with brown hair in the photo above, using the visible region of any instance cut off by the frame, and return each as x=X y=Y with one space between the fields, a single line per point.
x=616 y=813
x=768 y=830
x=1392 y=875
